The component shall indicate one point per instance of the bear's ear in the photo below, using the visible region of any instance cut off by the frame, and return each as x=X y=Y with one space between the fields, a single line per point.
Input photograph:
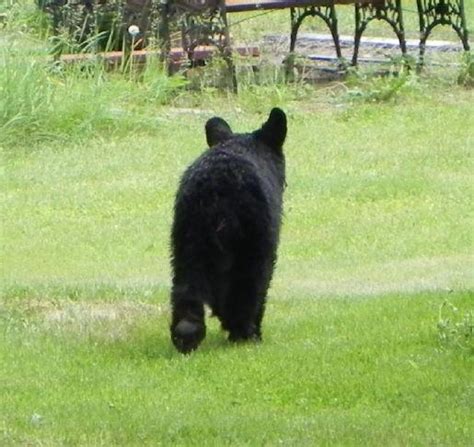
x=273 y=132
x=217 y=131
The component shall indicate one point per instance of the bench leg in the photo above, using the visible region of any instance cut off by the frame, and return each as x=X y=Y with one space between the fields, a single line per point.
x=209 y=28
x=432 y=13
x=390 y=11
x=297 y=15
x=165 y=37
x=225 y=47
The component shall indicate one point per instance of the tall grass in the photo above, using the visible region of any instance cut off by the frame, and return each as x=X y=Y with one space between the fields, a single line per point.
x=36 y=102
x=41 y=99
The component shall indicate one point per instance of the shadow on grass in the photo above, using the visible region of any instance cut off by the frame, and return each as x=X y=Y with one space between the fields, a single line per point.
x=151 y=341
x=106 y=322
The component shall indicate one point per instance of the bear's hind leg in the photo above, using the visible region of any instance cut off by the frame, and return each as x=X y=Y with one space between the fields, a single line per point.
x=188 y=328
x=242 y=310
x=245 y=306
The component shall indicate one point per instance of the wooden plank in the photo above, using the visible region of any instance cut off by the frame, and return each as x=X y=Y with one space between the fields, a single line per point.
x=176 y=55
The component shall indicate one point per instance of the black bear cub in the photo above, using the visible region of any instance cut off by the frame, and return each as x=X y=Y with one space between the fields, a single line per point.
x=225 y=232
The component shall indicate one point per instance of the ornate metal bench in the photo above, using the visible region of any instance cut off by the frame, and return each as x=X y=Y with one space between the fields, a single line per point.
x=431 y=13
x=202 y=23
x=205 y=21
x=365 y=12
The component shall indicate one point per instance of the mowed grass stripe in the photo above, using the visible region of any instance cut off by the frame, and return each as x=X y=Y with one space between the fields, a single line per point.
x=369 y=187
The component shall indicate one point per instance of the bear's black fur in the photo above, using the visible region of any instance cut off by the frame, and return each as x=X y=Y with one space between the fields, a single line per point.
x=225 y=231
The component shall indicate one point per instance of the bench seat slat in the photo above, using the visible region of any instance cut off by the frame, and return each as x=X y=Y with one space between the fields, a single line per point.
x=247 y=5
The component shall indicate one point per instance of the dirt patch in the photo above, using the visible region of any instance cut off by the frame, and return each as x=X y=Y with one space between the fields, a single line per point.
x=103 y=320
x=100 y=312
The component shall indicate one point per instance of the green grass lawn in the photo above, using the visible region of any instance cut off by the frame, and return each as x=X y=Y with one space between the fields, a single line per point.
x=359 y=347
x=332 y=371
x=377 y=235
x=379 y=195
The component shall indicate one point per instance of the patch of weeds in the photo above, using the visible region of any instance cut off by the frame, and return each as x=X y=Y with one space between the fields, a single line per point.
x=155 y=86
x=214 y=74
x=387 y=87
x=261 y=85
x=466 y=74
x=455 y=327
